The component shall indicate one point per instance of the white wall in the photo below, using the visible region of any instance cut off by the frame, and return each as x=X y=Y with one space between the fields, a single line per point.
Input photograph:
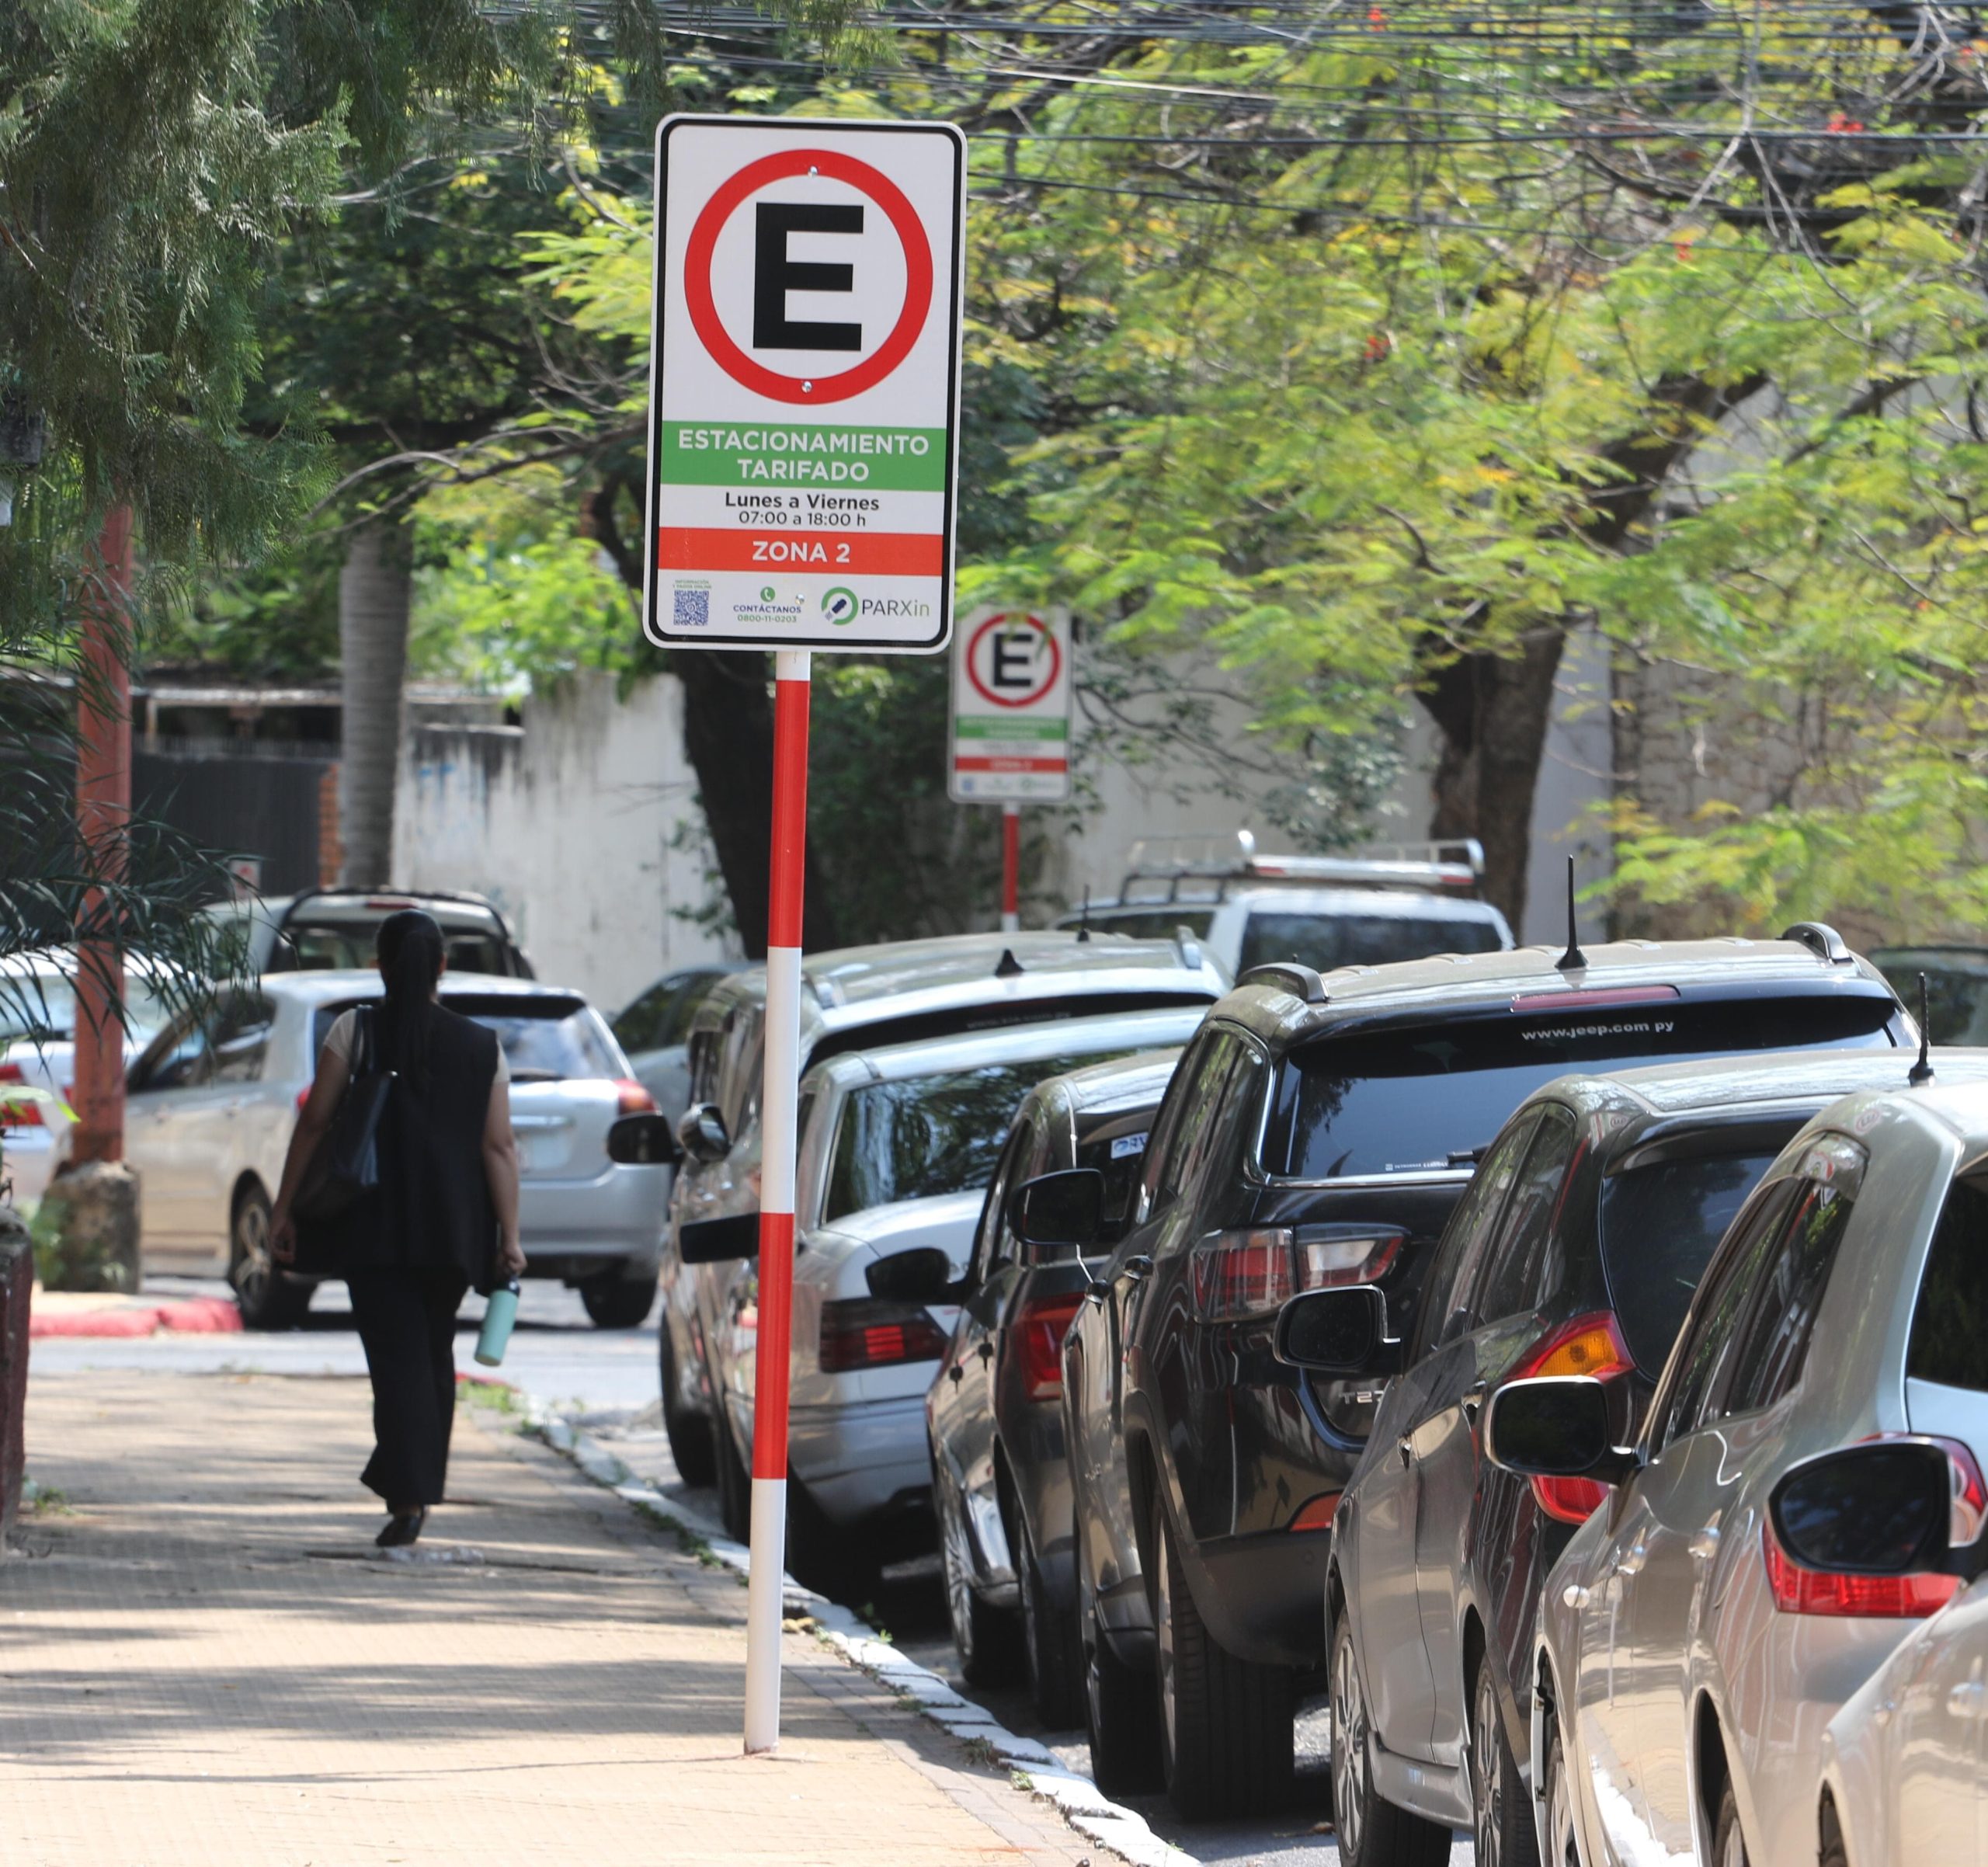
x=566 y=823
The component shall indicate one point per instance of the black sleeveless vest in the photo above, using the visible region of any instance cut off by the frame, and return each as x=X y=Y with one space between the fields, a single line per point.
x=434 y=1211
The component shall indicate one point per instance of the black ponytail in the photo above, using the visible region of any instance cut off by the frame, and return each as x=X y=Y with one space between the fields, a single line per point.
x=410 y=953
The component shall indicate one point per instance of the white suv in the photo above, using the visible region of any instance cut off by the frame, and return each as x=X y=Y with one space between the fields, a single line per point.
x=1369 y=908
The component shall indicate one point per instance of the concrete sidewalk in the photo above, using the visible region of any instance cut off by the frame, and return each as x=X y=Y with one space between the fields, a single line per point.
x=202 y=1659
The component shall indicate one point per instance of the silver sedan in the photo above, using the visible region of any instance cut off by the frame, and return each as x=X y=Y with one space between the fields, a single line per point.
x=1688 y=1664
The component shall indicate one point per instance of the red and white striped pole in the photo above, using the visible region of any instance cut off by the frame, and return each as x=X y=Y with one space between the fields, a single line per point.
x=779 y=1087
x=1011 y=868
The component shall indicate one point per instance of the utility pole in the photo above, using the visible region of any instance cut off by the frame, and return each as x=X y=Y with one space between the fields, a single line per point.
x=103 y=812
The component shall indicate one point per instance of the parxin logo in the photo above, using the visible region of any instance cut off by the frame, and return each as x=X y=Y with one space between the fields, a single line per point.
x=843 y=605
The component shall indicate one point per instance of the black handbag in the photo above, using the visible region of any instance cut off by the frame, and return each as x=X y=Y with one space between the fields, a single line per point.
x=345 y=1170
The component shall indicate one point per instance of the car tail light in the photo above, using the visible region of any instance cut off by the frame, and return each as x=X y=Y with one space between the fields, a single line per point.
x=386 y=904
x=867 y=1332
x=1594 y=1001
x=17 y=1114
x=1888 y=1597
x=303 y=1096
x=1039 y=1329
x=1238 y=1274
x=632 y=1099
x=1318 y=1515
x=1589 y=1344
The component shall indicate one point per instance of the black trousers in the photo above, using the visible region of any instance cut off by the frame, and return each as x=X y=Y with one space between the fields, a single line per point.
x=407 y=1323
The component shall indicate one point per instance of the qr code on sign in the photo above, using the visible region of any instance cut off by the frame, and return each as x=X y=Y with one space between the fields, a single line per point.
x=693 y=609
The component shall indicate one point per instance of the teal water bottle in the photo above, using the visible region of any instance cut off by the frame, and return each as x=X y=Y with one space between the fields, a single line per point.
x=500 y=1314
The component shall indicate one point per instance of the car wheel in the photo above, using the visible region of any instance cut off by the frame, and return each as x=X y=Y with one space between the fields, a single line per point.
x=1372 y=1833
x=1502 y=1822
x=1224 y=1723
x=1120 y=1718
x=267 y=1298
x=1728 y=1848
x=1049 y=1640
x=983 y=1636
x=1834 y=1854
x=1563 y=1847
x=689 y=1433
x=615 y=1302
x=734 y=1488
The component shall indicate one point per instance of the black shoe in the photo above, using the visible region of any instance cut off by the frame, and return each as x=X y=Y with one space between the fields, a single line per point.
x=402 y=1529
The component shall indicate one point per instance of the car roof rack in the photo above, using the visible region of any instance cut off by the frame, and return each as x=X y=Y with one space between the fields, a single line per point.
x=1822 y=940
x=1300 y=982
x=1221 y=858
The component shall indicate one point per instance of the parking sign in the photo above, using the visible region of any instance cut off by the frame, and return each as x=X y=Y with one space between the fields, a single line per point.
x=1011 y=708
x=804 y=384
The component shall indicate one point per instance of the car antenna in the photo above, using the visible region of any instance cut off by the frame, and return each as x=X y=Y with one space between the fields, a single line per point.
x=1573 y=959
x=1083 y=920
x=1009 y=967
x=1922 y=1071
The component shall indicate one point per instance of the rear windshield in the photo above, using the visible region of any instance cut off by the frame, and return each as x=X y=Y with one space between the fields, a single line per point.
x=1366 y=1104
x=1148 y=923
x=928 y=1134
x=346 y=945
x=1322 y=941
x=544 y=1039
x=1950 y=1324
x=1660 y=1226
x=44 y=1007
x=1121 y=1157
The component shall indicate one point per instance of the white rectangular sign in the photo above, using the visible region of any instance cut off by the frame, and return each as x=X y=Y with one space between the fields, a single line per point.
x=805 y=384
x=1011 y=708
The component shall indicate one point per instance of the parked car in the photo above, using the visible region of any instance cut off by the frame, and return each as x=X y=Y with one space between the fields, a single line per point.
x=1690 y=1654
x=869 y=996
x=1367 y=908
x=38 y=1052
x=214 y=1097
x=1956 y=988
x=1318 y=1132
x=333 y=929
x=1575 y=1252
x=653 y=1028
x=896 y=1147
x=1902 y=1778
x=1001 y=1482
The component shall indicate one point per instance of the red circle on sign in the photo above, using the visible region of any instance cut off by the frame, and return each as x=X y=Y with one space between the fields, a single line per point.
x=986 y=692
x=704 y=311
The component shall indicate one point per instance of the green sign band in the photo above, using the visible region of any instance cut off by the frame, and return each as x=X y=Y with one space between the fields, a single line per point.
x=1011 y=729
x=803 y=455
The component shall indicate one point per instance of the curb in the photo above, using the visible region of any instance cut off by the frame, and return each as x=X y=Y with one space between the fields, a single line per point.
x=191 y=1316
x=1037 y=1768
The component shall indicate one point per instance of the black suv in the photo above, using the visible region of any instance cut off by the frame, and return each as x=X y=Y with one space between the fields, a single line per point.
x=1575 y=1251
x=1318 y=1132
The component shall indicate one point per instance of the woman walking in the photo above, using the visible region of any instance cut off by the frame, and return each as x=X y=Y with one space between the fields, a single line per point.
x=445 y=1215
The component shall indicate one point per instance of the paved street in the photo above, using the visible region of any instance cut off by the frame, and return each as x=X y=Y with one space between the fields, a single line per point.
x=207 y=1662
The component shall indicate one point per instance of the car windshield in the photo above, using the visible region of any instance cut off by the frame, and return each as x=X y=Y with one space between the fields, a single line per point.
x=546 y=1038
x=1365 y=1103
x=1322 y=941
x=346 y=945
x=1660 y=1224
x=926 y=1134
x=43 y=1007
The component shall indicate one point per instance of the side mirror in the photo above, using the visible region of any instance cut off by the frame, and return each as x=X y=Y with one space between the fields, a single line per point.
x=1889 y=1507
x=719 y=1241
x=701 y=1133
x=1341 y=1332
x=1555 y=1426
x=922 y=1275
x=643 y=1141
x=1057 y=1213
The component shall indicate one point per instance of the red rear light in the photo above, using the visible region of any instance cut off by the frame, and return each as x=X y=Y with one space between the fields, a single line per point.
x=1594 y=1001
x=1238 y=1274
x=1591 y=1344
x=1039 y=1331
x=866 y=1332
x=1318 y=1515
x=386 y=905
x=632 y=1099
x=1886 y=1597
x=303 y=1096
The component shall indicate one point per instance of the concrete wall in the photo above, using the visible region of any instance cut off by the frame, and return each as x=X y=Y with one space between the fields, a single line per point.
x=567 y=823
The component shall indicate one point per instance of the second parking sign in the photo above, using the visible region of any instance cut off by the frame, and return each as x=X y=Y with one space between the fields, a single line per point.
x=804 y=389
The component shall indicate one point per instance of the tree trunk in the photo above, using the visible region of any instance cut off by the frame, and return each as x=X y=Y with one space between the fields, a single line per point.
x=728 y=739
x=1492 y=714
x=375 y=588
